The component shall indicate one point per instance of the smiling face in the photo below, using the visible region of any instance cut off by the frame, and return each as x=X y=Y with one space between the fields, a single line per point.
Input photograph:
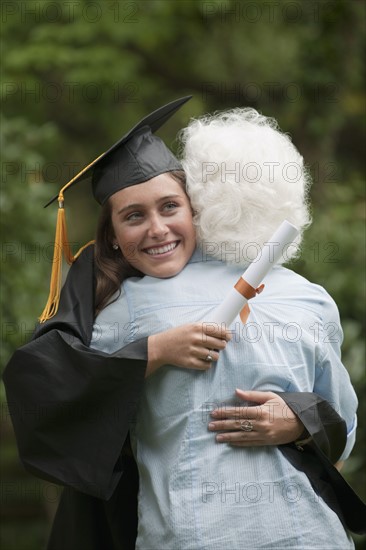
x=153 y=226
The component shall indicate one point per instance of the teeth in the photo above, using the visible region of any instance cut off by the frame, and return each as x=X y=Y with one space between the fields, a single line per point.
x=162 y=249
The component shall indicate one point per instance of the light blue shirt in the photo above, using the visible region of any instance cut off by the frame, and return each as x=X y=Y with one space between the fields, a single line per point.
x=196 y=494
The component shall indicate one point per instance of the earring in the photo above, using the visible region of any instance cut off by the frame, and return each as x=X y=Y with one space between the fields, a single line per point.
x=115 y=246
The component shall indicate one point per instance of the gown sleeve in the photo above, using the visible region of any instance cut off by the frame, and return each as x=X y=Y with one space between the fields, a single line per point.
x=328 y=433
x=71 y=406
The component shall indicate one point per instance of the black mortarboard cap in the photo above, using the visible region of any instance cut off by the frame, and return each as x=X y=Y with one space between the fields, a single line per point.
x=142 y=157
x=137 y=157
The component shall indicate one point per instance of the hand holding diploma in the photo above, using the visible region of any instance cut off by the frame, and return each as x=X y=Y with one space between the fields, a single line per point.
x=248 y=284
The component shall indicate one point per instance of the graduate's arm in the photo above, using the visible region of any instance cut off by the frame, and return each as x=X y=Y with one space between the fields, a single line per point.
x=71 y=406
x=71 y=409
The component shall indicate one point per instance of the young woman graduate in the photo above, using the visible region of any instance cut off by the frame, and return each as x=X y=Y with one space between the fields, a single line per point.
x=73 y=406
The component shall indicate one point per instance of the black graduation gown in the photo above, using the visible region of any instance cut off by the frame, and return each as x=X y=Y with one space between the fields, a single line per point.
x=71 y=408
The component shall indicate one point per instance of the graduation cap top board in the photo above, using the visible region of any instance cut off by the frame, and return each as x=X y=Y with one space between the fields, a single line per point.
x=135 y=158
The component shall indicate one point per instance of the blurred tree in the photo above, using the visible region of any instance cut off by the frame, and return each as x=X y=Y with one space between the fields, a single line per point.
x=26 y=249
x=26 y=236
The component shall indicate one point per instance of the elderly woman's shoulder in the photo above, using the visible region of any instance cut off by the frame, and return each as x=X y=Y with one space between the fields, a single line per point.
x=293 y=286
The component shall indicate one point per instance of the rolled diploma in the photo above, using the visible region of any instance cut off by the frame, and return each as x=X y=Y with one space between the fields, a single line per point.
x=254 y=275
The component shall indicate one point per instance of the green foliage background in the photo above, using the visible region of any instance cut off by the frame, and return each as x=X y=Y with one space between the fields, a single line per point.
x=77 y=74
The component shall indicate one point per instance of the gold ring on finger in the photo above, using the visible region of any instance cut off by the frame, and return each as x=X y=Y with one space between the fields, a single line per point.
x=246 y=425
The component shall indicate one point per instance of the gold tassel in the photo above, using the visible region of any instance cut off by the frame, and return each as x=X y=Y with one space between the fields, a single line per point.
x=61 y=247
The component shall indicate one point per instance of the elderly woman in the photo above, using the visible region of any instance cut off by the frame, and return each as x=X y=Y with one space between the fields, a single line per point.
x=153 y=287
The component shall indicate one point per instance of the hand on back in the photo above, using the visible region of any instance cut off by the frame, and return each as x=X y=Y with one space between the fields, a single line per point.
x=192 y=346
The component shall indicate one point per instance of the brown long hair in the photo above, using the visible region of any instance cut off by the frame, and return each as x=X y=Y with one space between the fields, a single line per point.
x=111 y=267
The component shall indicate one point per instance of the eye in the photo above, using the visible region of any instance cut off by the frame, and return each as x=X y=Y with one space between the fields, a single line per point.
x=134 y=216
x=170 y=206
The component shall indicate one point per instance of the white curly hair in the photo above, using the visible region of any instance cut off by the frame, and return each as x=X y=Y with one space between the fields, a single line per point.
x=244 y=177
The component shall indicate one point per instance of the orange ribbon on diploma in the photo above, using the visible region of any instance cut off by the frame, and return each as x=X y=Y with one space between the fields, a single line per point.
x=249 y=284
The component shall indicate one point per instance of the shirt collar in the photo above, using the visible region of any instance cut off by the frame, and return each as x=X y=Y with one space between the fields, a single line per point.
x=199 y=255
